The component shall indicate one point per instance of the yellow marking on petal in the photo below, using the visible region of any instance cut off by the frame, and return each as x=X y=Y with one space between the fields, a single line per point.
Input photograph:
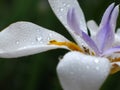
x=115 y=60
x=70 y=45
x=115 y=68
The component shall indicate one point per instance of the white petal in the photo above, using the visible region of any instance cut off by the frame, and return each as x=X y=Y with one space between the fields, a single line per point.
x=93 y=27
x=61 y=7
x=117 y=38
x=118 y=31
x=77 y=71
x=118 y=63
x=25 y=38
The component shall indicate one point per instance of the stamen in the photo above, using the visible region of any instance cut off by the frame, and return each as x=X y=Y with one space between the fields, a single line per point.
x=114 y=60
x=115 y=68
x=88 y=52
x=70 y=45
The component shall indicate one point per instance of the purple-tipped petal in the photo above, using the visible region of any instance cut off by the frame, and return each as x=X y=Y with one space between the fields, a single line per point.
x=111 y=51
x=73 y=23
x=106 y=15
x=90 y=42
x=114 y=17
x=61 y=7
x=105 y=36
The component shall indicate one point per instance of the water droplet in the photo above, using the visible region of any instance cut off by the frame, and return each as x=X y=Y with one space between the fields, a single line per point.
x=50 y=34
x=38 y=39
x=32 y=42
x=83 y=44
x=17 y=42
x=48 y=38
x=61 y=9
x=64 y=4
x=68 y=5
x=96 y=61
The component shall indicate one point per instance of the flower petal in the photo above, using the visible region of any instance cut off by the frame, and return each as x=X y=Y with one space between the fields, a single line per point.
x=118 y=31
x=118 y=63
x=111 y=51
x=73 y=23
x=77 y=71
x=61 y=7
x=107 y=15
x=117 y=38
x=105 y=36
x=91 y=43
x=93 y=27
x=25 y=38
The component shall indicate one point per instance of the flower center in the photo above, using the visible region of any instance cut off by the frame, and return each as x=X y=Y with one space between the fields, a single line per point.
x=74 y=47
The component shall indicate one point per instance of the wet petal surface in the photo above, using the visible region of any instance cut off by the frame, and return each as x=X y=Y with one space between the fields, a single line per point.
x=25 y=38
x=77 y=71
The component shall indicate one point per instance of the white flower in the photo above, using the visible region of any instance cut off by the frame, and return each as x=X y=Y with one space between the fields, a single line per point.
x=88 y=63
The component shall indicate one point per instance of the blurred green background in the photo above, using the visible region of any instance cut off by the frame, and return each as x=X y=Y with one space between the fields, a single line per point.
x=38 y=72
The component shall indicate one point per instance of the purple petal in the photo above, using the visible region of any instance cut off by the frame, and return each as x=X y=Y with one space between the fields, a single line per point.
x=105 y=36
x=111 y=51
x=106 y=15
x=90 y=42
x=114 y=17
x=73 y=23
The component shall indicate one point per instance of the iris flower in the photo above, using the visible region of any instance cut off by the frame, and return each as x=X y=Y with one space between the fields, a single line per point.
x=91 y=58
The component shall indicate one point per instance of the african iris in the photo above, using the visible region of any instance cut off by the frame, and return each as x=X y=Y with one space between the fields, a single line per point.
x=93 y=56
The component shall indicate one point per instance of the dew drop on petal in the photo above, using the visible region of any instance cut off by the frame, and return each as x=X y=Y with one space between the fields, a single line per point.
x=48 y=38
x=32 y=43
x=61 y=9
x=64 y=4
x=50 y=35
x=17 y=42
x=96 y=61
x=38 y=39
x=68 y=5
